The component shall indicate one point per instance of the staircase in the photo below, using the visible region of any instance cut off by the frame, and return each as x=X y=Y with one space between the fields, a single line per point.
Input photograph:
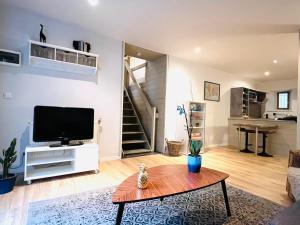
x=134 y=139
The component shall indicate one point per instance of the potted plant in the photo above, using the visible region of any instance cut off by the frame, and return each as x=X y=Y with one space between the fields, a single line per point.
x=194 y=158
x=9 y=156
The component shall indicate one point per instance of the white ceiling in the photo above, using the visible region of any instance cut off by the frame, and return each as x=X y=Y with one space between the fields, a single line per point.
x=237 y=36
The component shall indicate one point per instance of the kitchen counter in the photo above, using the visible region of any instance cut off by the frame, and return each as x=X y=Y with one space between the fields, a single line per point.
x=279 y=143
x=260 y=119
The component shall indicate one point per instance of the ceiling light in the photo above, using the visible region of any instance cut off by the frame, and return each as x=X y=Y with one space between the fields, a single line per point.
x=197 y=50
x=93 y=2
x=139 y=54
x=275 y=61
x=267 y=73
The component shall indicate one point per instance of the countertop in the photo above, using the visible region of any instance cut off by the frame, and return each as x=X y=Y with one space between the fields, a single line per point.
x=262 y=120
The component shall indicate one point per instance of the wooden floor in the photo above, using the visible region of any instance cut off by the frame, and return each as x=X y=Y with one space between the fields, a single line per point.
x=264 y=177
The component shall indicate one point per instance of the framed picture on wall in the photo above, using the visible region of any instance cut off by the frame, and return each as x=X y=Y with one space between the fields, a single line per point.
x=211 y=91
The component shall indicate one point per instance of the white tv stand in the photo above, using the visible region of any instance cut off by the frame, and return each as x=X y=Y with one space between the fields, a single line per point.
x=45 y=161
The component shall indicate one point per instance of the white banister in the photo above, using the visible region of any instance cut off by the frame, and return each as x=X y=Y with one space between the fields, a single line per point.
x=140 y=90
x=151 y=110
x=153 y=127
x=139 y=67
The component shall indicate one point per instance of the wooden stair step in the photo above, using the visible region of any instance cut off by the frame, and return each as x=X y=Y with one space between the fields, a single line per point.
x=127 y=109
x=130 y=124
x=133 y=141
x=136 y=151
x=129 y=116
x=132 y=132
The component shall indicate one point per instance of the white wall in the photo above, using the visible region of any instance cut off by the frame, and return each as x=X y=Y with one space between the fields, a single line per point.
x=32 y=86
x=279 y=85
x=185 y=82
x=272 y=87
x=298 y=83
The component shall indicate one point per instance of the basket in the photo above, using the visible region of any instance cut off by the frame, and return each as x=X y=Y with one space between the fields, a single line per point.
x=174 y=147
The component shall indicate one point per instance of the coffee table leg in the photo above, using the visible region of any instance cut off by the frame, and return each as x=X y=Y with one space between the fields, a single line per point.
x=120 y=213
x=225 y=197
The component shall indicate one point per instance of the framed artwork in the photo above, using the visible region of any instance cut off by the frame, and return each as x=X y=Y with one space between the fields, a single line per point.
x=211 y=91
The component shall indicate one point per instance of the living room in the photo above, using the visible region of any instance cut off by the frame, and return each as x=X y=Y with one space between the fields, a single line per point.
x=207 y=50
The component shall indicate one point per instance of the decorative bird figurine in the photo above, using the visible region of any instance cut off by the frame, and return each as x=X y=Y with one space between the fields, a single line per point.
x=143 y=177
x=42 y=35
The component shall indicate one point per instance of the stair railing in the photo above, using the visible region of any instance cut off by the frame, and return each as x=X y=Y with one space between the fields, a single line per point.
x=150 y=109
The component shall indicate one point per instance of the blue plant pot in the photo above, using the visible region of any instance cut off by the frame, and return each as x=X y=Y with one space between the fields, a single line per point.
x=194 y=163
x=7 y=185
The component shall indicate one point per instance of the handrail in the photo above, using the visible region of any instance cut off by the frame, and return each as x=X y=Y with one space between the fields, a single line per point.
x=148 y=106
x=139 y=67
x=151 y=110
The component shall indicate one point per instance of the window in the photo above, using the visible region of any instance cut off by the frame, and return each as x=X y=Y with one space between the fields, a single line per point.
x=283 y=99
x=139 y=74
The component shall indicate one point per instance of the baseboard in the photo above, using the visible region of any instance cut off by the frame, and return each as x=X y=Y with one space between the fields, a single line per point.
x=109 y=158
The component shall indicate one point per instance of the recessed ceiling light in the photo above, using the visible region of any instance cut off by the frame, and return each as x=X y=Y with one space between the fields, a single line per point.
x=267 y=73
x=275 y=61
x=93 y=2
x=197 y=50
x=138 y=54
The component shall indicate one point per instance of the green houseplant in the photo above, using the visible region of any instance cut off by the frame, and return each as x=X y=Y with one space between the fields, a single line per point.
x=194 y=158
x=9 y=156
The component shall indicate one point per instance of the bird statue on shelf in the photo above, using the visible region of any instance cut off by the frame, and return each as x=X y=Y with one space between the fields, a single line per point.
x=42 y=35
x=143 y=177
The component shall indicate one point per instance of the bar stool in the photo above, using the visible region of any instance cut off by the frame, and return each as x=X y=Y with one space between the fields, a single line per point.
x=265 y=134
x=246 y=131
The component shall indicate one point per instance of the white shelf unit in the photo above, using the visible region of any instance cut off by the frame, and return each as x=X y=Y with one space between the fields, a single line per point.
x=45 y=161
x=10 y=58
x=197 y=111
x=59 y=58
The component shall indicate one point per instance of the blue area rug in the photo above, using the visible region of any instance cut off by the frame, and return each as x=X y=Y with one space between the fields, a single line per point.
x=204 y=207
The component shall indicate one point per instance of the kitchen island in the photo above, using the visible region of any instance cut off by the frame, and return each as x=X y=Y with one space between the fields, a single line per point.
x=279 y=143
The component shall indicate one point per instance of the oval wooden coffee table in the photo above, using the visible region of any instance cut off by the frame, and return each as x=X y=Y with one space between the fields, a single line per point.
x=164 y=181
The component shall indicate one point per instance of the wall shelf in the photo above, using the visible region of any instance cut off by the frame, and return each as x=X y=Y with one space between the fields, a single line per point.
x=59 y=58
x=10 y=58
x=196 y=111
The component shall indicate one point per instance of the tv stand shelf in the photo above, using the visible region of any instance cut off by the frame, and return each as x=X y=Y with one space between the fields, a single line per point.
x=45 y=161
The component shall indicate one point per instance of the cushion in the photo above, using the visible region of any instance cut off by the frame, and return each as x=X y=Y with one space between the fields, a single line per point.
x=294 y=180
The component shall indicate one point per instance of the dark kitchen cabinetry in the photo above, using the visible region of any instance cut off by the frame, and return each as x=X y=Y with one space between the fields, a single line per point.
x=246 y=102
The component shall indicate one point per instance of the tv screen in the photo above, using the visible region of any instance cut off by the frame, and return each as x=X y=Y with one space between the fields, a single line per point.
x=62 y=123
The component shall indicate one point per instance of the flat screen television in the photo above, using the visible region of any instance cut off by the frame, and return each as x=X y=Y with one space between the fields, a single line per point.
x=62 y=124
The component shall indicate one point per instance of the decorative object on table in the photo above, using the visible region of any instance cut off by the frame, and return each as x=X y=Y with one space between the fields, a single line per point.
x=42 y=35
x=211 y=91
x=174 y=147
x=194 y=145
x=194 y=159
x=82 y=46
x=9 y=156
x=143 y=177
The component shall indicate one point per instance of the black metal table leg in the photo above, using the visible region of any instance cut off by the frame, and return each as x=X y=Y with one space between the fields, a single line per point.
x=120 y=213
x=225 y=197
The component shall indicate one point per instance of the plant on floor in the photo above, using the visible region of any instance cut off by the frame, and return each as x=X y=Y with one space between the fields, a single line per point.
x=194 y=145
x=8 y=158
